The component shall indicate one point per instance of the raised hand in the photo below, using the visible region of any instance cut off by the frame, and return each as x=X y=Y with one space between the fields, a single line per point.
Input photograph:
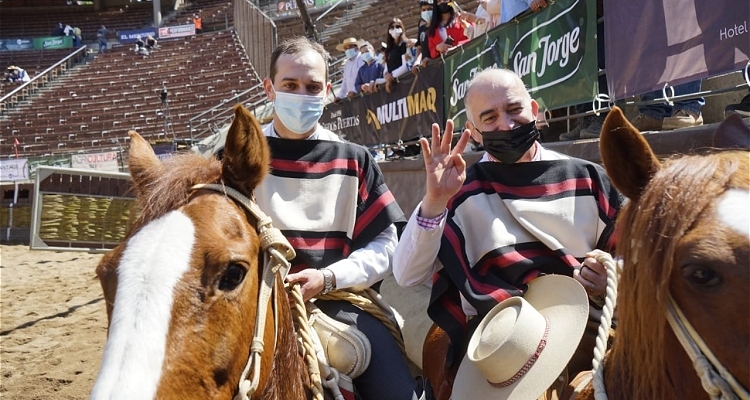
x=446 y=169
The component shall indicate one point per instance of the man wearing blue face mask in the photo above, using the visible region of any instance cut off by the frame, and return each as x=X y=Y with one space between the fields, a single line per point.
x=353 y=63
x=371 y=73
x=482 y=233
x=329 y=199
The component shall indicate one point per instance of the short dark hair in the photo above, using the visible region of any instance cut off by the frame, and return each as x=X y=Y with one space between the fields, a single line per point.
x=295 y=46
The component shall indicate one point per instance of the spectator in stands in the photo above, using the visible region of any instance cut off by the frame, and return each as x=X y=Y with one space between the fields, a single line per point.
x=683 y=114
x=68 y=30
x=350 y=47
x=380 y=58
x=511 y=8
x=102 y=35
x=198 y=22
x=423 y=47
x=77 y=37
x=17 y=74
x=59 y=30
x=150 y=42
x=370 y=73
x=446 y=31
x=487 y=16
x=140 y=46
x=395 y=52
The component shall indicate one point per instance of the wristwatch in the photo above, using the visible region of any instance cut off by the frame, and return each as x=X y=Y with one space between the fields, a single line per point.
x=327 y=280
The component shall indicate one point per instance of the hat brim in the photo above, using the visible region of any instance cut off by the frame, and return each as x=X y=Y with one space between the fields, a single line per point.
x=341 y=46
x=565 y=304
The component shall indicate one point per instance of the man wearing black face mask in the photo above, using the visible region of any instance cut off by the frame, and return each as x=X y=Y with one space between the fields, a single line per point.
x=521 y=211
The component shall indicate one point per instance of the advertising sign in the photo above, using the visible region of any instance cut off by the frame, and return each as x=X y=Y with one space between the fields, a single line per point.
x=16 y=44
x=99 y=161
x=14 y=170
x=62 y=161
x=413 y=105
x=60 y=42
x=130 y=36
x=553 y=51
x=652 y=43
x=163 y=150
x=176 y=31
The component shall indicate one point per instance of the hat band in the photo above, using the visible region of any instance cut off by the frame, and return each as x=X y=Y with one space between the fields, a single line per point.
x=526 y=367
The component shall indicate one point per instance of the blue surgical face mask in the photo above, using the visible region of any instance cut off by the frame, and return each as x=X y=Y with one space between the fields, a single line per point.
x=350 y=53
x=298 y=112
x=367 y=56
x=427 y=15
x=380 y=58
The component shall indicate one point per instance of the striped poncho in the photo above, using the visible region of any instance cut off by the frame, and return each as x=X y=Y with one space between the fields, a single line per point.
x=510 y=223
x=328 y=198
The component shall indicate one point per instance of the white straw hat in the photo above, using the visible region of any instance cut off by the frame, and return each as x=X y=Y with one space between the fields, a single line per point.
x=524 y=343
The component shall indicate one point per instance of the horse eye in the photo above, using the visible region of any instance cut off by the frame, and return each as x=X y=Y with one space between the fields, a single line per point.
x=233 y=276
x=701 y=276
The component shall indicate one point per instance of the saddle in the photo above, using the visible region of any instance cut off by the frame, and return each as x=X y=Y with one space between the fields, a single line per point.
x=344 y=347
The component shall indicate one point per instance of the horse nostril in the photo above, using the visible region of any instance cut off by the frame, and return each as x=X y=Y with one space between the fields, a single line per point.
x=233 y=276
x=220 y=377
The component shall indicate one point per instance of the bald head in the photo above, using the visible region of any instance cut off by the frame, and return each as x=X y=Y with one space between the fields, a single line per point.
x=496 y=99
x=492 y=79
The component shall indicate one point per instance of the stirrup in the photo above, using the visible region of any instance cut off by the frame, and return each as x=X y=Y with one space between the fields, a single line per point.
x=346 y=348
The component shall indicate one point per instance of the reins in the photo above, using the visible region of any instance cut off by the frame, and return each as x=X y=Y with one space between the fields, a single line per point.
x=716 y=380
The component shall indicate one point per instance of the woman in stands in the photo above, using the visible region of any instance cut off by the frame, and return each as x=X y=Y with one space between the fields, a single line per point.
x=397 y=46
x=446 y=30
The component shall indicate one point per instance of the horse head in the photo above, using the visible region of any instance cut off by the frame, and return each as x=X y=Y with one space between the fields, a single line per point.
x=182 y=288
x=683 y=238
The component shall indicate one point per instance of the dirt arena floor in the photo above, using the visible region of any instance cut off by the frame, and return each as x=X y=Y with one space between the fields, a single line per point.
x=53 y=324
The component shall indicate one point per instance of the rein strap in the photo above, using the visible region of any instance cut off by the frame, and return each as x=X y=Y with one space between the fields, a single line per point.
x=277 y=252
x=717 y=381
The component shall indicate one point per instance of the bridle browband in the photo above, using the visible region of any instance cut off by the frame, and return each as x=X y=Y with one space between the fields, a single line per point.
x=277 y=252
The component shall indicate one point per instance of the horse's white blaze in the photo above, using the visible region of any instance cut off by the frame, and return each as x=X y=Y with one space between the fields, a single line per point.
x=153 y=262
x=734 y=210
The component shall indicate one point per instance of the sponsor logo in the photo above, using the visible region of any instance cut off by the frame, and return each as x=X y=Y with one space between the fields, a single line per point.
x=403 y=108
x=558 y=55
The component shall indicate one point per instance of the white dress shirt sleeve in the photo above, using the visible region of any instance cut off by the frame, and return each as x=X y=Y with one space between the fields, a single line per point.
x=415 y=258
x=368 y=265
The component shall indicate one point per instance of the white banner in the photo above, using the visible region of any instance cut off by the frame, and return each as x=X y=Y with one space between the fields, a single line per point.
x=176 y=31
x=14 y=170
x=98 y=161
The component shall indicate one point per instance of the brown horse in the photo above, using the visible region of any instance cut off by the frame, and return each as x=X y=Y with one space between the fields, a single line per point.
x=684 y=240
x=182 y=288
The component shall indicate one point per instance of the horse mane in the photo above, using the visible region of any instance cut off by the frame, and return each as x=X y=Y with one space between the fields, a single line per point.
x=168 y=188
x=648 y=230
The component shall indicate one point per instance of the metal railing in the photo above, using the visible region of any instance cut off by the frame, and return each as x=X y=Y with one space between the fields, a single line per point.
x=24 y=91
x=257 y=33
x=202 y=125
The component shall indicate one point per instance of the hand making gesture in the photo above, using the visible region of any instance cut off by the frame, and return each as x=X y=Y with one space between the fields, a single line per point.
x=446 y=169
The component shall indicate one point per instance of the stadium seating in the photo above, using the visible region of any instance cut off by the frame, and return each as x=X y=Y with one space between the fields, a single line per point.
x=96 y=104
x=35 y=21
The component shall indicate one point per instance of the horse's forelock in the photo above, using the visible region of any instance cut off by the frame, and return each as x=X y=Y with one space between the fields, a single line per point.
x=171 y=190
x=649 y=231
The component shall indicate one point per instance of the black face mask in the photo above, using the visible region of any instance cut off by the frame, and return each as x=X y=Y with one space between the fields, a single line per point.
x=509 y=146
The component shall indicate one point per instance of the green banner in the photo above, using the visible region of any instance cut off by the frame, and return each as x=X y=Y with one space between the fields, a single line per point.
x=58 y=42
x=62 y=160
x=553 y=51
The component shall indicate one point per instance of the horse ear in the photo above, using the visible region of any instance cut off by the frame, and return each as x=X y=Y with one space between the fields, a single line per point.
x=143 y=163
x=627 y=157
x=246 y=153
x=732 y=133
